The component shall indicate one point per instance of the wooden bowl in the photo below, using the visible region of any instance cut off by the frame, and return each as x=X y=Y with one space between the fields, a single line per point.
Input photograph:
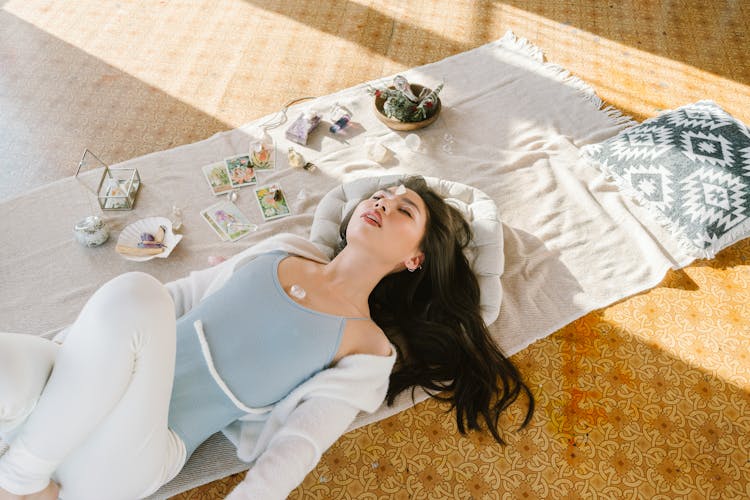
x=405 y=126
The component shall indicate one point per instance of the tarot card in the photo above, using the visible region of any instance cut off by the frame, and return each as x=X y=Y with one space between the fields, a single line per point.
x=230 y=220
x=217 y=176
x=272 y=202
x=217 y=229
x=262 y=155
x=241 y=171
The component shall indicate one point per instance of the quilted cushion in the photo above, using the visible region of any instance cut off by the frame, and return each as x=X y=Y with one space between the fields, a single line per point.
x=485 y=252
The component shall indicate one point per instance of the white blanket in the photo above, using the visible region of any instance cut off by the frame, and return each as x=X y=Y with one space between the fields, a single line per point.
x=510 y=125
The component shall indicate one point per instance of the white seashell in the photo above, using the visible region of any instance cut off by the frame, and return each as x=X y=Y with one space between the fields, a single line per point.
x=131 y=236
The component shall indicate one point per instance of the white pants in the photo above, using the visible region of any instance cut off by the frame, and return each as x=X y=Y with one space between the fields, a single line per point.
x=92 y=413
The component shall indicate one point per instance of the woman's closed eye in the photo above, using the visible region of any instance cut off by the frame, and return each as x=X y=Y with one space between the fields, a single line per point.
x=406 y=211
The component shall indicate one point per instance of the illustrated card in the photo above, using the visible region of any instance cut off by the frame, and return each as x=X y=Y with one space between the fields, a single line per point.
x=262 y=155
x=221 y=234
x=241 y=171
x=217 y=176
x=228 y=218
x=272 y=202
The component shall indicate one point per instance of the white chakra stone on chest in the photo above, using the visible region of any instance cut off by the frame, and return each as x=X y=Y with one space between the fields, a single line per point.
x=297 y=292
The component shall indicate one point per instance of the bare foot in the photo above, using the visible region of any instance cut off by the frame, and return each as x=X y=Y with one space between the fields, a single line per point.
x=49 y=493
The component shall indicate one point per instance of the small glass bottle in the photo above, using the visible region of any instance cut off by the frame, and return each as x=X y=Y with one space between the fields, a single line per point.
x=176 y=218
x=295 y=159
x=340 y=117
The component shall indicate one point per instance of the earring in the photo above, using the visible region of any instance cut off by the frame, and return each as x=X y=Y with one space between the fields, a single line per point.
x=411 y=270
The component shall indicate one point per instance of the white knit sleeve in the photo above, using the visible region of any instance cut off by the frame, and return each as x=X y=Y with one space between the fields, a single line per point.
x=296 y=448
x=188 y=291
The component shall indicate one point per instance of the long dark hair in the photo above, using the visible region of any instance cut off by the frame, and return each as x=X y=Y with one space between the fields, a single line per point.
x=433 y=317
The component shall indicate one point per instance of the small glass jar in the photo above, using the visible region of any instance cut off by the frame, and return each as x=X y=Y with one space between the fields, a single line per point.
x=91 y=231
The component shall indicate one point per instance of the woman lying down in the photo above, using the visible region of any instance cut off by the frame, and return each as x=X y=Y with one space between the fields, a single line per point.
x=147 y=371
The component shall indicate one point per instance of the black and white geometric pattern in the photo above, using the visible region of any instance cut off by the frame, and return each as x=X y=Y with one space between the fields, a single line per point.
x=691 y=168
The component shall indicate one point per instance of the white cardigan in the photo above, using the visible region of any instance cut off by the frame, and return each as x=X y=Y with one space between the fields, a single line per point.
x=287 y=442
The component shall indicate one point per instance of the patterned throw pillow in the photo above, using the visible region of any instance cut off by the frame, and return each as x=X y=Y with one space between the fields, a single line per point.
x=690 y=167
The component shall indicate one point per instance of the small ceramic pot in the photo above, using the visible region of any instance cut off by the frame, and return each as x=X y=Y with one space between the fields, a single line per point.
x=91 y=231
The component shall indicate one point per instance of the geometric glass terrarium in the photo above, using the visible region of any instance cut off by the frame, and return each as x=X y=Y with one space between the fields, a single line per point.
x=117 y=187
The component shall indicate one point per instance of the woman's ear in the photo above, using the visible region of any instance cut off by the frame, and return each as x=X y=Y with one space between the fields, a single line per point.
x=414 y=263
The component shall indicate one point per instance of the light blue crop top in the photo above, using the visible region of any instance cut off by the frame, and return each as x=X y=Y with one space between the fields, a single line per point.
x=244 y=348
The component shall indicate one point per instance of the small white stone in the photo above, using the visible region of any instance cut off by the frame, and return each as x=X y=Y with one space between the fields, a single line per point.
x=413 y=142
x=376 y=151
x=297 y=292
